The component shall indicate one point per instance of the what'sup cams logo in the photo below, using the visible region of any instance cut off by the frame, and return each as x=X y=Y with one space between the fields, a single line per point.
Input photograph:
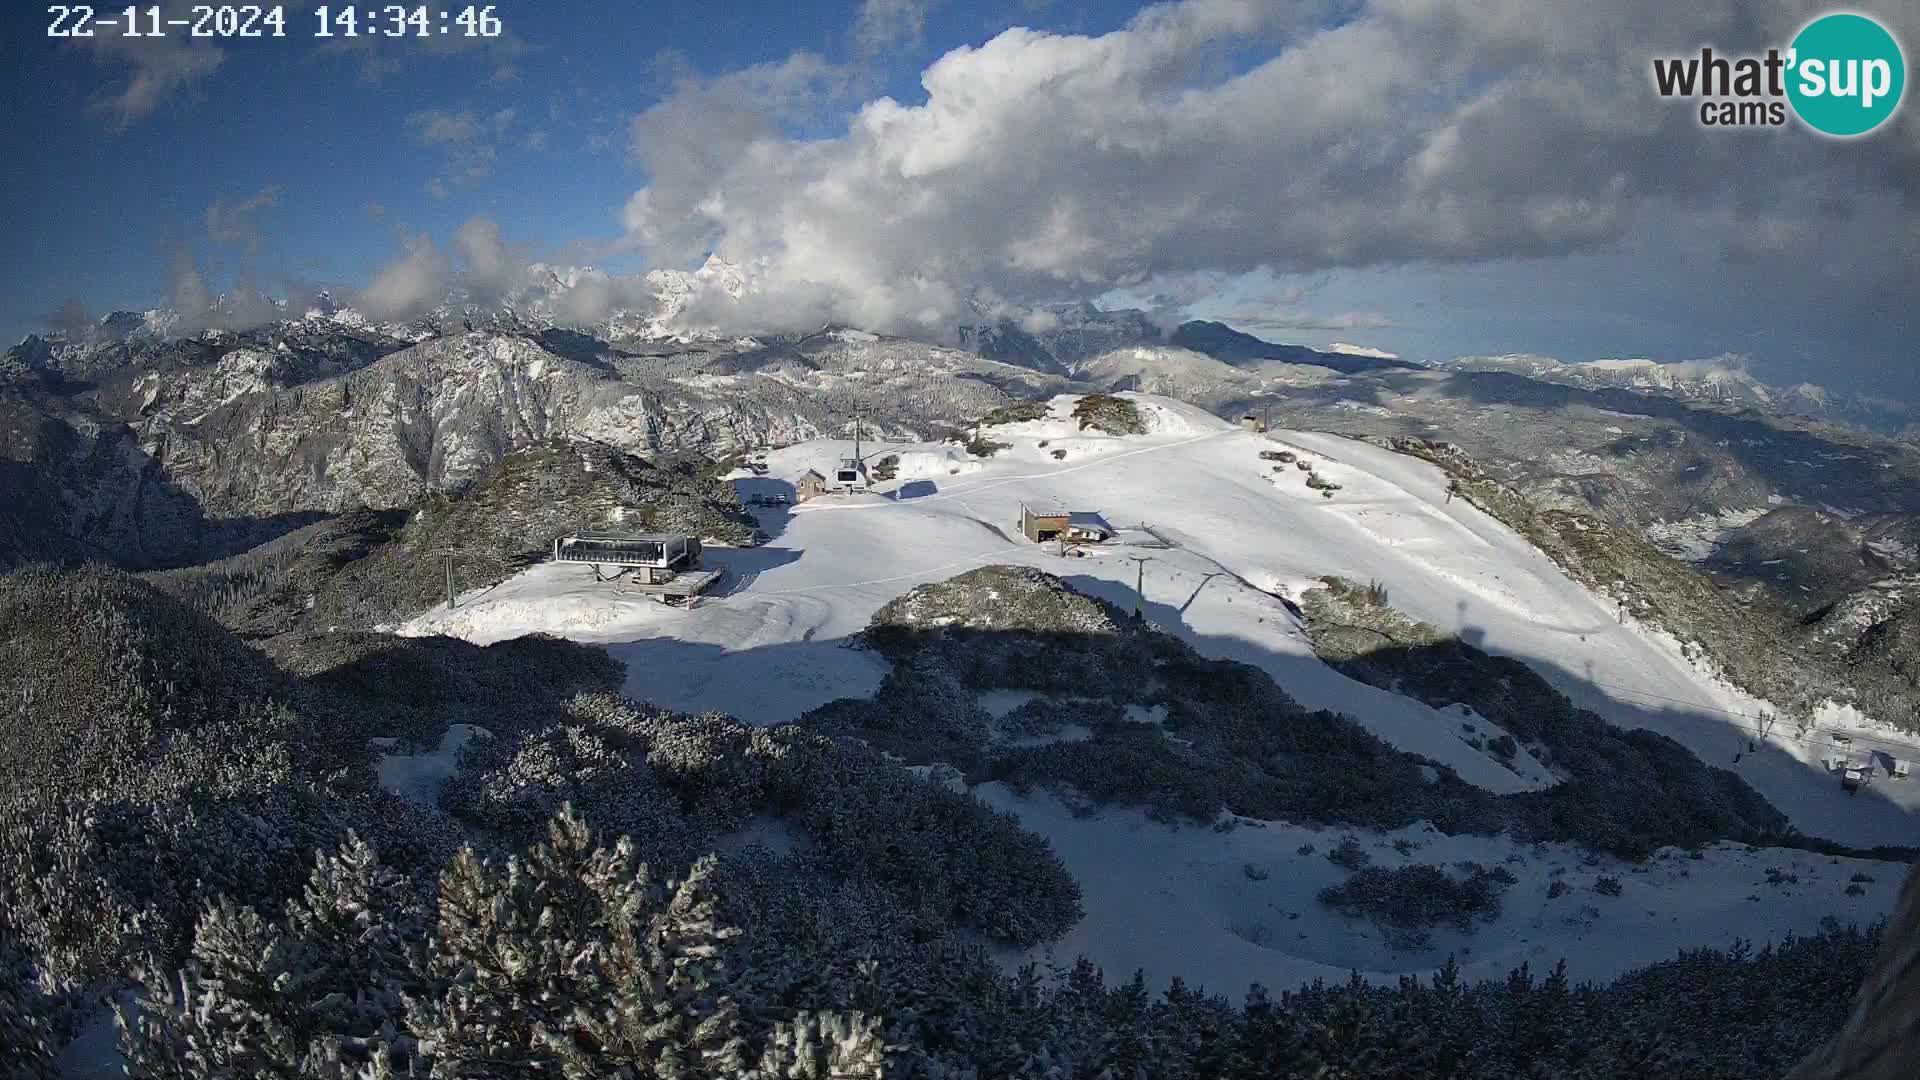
x=1843 y=75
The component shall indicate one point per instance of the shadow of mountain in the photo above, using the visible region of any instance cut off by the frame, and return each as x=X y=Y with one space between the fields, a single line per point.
x=410 y=688
x=73 y=497
x=772 y=519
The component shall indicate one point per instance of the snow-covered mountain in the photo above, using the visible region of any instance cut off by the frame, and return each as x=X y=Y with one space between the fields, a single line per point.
x=142 y=444
x=1722 y=380
x=1235 y=549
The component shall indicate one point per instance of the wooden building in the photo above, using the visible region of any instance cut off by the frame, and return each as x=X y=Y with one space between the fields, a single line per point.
x=810 y=485
x=1066 y=526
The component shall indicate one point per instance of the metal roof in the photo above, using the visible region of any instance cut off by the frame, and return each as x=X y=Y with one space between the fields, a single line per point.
x=616 y=536
x=1087 y=519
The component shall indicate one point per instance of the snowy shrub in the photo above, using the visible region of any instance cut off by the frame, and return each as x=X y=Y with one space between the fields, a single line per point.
x=1607 y=886
x=827 y=1046
x=1349 y=854
x=1418 y=897
x=1557 y=890
x=1016 y=413
x=1627 y=792
x=922 y=712
x=96 y=667
x=887 y=467
x=982 y=447
x=677 y=784
x=1856 y=889
x=1060 y=455
x=511 y=788
x=941 y=851
x=1047 y=715
x=1113 y=415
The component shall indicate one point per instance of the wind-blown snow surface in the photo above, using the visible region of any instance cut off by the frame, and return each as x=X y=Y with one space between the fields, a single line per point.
x=1227 y=536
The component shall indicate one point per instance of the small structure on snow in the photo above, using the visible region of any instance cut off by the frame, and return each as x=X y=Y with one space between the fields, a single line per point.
x=811 y=485
x=666 y=565
x=1856 y=776
x=1252 y=423
x=1066 y=526
x=1900 y=769
x=851 y=475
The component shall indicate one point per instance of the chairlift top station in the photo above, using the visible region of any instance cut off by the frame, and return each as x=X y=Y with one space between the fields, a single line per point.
x=666 y=565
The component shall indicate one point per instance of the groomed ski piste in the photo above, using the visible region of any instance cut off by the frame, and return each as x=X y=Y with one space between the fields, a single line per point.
x=1228 y=538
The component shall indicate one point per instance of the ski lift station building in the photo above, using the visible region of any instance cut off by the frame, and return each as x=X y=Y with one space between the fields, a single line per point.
x=1067 y=526
x=851 y=475
x=665 y=566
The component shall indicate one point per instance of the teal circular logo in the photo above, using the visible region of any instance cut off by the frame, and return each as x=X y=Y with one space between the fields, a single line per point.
x=1845 y=74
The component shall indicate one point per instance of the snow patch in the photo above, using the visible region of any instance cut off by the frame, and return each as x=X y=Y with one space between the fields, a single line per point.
x=417 y=777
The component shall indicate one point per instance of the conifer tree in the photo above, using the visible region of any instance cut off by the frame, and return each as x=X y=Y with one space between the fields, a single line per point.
x=826 y=1046
x=573 y=962
x=314 y=996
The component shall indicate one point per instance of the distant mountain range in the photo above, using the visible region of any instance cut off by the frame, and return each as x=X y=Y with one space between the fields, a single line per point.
x=143 y=438
x=1719 y=381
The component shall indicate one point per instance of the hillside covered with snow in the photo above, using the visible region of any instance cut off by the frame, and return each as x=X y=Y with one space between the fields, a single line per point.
x=1233 y=543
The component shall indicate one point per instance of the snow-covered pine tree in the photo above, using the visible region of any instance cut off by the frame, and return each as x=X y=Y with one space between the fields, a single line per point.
x=826 y=1046
x=220 y=1016
x=574 y=962
x=665 y=1007
x=498 y=967
x=314 y=996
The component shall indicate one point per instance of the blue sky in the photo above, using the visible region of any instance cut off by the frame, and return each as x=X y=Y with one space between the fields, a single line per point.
x=1431 y=179
x=96 y=214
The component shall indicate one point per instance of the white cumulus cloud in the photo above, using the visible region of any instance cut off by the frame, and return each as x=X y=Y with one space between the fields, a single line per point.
x=1338 y=135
